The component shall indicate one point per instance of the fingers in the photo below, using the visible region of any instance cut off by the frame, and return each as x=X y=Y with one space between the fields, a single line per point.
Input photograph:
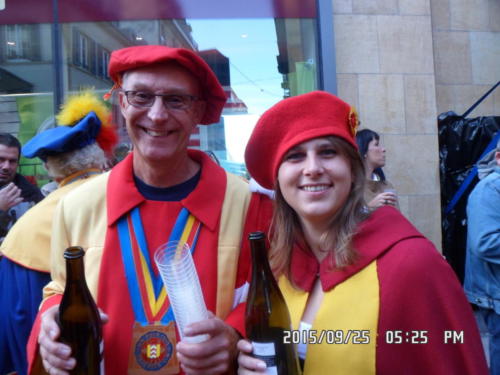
x=213 y=364
x=246 y=363
x=10 y=195
x=390 y=198
x=55 y=355
x=383 y=199
x=213 y=356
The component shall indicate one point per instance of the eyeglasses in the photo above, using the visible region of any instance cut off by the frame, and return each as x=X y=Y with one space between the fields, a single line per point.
x=144 y=99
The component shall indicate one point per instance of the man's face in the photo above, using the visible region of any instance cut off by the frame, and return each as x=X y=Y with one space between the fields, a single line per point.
x=160 y=134
x=497 y=157
x=9 y=160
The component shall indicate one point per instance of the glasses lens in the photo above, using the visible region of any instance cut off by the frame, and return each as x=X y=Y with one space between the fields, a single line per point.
x=177 y=101
x=146 y=99
x=140 y=98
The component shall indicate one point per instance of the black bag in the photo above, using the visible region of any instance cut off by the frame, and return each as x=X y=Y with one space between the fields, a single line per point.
x=462 y=142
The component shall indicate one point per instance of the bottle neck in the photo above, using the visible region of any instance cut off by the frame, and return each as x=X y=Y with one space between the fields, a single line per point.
x=75 y=270
x=259 y=257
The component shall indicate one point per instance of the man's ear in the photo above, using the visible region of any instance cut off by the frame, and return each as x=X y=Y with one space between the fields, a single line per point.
x=497 y=157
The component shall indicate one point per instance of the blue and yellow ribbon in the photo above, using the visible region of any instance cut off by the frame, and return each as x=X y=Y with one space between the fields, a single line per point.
x=147 y=292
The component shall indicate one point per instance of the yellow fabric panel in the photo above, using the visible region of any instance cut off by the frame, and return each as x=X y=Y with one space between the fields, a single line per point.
x=348 y=309
x=232 y=222
x=28 y=241
x=88 y=230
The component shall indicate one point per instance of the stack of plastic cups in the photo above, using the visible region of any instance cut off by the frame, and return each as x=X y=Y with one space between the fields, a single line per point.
x=178 y=273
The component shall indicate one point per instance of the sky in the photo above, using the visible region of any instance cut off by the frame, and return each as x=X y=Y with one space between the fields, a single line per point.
x=250 y=45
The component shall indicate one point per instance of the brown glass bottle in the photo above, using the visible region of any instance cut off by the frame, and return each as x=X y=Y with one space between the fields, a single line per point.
x=267 y=315
x=79 y=319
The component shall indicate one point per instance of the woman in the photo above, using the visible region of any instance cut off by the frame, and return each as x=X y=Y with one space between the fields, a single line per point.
x=378 y=191
x=375 y=295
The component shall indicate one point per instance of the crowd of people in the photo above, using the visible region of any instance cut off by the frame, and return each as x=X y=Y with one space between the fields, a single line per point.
x=346 y=259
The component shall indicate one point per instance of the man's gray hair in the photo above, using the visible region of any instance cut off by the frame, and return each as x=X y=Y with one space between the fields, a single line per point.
x=65 y=164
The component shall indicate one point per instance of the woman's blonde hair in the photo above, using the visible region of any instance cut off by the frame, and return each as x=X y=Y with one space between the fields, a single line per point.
x=286 y=228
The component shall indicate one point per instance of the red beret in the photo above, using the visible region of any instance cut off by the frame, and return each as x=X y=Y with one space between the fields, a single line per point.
x=130 y=58
x=291 y=122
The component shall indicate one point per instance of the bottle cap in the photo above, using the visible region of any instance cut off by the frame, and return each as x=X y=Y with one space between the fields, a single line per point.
x=73 y=252
x=256 y=235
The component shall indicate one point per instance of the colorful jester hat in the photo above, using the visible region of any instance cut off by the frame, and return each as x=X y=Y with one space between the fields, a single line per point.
x=83 y=120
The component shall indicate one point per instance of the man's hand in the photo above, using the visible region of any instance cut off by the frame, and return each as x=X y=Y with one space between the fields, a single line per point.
x=10 y=195
x=55 y=355
x=217 y=355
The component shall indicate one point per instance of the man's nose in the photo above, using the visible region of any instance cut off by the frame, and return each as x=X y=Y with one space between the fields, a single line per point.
x=158 y=112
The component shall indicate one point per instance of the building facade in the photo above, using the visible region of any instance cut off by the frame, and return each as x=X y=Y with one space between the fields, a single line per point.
x=400 y=62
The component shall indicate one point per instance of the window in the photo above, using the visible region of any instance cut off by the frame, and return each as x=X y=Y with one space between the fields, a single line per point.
x=22 y=43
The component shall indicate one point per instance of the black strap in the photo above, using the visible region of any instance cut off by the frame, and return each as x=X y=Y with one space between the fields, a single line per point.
x=480 y=100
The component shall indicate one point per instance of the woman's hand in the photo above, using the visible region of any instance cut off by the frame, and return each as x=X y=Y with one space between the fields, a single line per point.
x=383 y=199
x=248 y=365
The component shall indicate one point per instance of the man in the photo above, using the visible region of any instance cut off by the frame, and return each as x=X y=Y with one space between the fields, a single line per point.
x=482 y=276
x=128 y=213
x=17 y=195
x=72 y=153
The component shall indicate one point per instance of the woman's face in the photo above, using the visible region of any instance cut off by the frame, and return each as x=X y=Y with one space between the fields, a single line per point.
x=375 y=155
x=315 y=179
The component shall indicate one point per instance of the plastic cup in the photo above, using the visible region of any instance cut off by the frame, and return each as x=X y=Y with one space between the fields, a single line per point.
x=393 y=191
x=178 y=273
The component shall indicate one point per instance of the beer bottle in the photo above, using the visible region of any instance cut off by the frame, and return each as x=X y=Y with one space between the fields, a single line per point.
x=267 y=315
x=79 y=318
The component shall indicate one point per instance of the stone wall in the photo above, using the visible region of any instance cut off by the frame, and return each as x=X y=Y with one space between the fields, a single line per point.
x=385 y=67
x=466 y=38
x=403 y=62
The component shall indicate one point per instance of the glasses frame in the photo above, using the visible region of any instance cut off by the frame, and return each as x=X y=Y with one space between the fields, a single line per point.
x=185 y=107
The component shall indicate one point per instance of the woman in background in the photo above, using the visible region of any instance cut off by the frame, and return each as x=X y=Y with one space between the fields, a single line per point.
x=378 y=191
x=369 y=293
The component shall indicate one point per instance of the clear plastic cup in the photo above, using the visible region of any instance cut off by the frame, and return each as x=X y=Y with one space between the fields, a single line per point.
x=179 y=275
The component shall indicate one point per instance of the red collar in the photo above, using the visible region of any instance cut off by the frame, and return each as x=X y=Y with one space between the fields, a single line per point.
x=376 y=235
x=205 y=202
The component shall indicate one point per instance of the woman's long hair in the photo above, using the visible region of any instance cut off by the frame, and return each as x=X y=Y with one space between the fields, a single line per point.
x=363 y=139
x=286 y=229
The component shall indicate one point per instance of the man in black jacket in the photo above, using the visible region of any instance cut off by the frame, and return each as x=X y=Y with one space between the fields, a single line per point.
x=17 y=194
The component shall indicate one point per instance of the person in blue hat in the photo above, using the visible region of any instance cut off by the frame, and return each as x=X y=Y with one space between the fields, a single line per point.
x=72 y=154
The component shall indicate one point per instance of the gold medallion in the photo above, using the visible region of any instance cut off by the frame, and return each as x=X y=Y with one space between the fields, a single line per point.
x=153 y=350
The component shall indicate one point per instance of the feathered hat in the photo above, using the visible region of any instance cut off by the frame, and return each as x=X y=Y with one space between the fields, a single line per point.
x=83 y=120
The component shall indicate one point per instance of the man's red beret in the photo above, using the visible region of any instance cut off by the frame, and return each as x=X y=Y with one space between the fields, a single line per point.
x=131 y=58
x=291 y=122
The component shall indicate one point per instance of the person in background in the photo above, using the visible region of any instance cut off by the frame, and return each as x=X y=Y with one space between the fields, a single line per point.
x=17 y=194
x=159 y=192
x=368 y=292
x=72 y=153
x=482 y=266
x=378 y=191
